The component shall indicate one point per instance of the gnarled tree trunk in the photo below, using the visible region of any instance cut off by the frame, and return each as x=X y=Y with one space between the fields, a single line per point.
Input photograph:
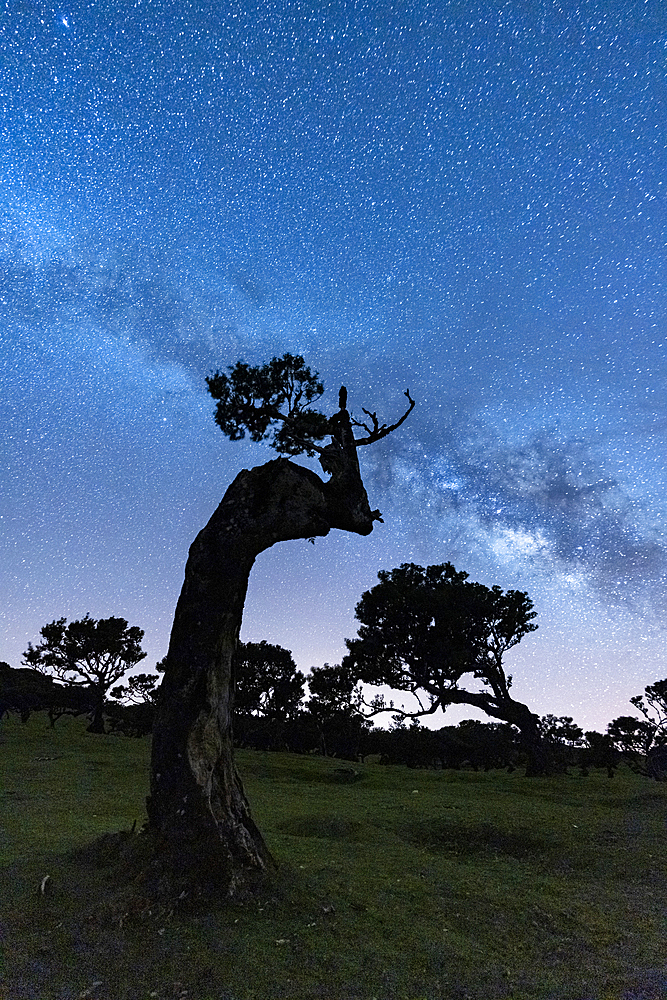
x=517 y=714
x=196 y=796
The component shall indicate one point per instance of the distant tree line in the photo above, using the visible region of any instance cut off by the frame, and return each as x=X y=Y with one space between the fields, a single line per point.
x=423 y=640
x=72 y=670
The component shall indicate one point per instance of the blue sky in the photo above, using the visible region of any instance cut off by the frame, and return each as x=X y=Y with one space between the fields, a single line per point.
x=464 y=200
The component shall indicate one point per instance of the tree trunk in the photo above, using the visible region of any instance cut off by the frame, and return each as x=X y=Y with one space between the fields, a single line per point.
x=196 y=795
x=97 y=715
x=517 y=714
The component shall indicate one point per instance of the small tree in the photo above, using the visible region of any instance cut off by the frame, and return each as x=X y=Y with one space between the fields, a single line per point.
x=653 y=706
x=25 y=690
x=332 y=704
x=562 y=730
x=643 y=742
x=267 y=681
x=599 y=751
x=197 y=805
x=422 y=630
x=563 y=737
x=135 y=702
x=88 y=653
x=631 y=736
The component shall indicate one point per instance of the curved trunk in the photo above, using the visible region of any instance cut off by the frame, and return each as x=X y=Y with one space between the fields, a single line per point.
x=196 y=795
x=517 y=714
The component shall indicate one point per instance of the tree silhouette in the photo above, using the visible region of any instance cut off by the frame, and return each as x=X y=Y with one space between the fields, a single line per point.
x=644 y=741
x=631 y=736
x=87 y=653
x=561 y=730
x=267 y=681
x=653 y=706
x=197 y=805
x=332 y=706
x=422 y=630
x=25 y=690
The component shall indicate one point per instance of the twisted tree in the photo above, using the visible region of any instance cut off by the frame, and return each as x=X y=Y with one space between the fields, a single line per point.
x=197 y=801
x=423 y=630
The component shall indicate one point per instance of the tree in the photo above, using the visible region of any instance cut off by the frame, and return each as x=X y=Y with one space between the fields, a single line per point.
x=635 y=736
x=487 y=744
x=562 y=730
x=267 y=681
x=630 y=735
x=197 y=805
x=25 y=691
x=653 y=706
x=599 y=751
x=422 y=630
x=87 y=653
x=332 y=706
x=135 y=702
x=563 y=737
x=643 y=741
x=331 y=691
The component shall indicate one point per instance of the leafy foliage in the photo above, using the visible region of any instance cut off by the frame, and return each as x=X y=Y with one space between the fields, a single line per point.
x=562 y=730
x=423 y=629
x=87 y=652
x=332 y=704
x=331 y=691
x=637 y=737
x=141 y=689
x=270 y=401
x=653 y=706
x=267 y=681
x=25 y=691
x=630 y=735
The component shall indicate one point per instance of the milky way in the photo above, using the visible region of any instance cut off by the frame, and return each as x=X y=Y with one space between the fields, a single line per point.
x=467 y=201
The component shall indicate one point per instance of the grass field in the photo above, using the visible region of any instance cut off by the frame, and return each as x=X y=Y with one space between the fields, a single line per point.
x=391 y=883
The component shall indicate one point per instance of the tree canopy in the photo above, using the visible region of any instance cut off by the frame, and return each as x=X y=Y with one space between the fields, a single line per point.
x=87 y=652
x=270 y=401
x=267 y=681
x=653 y=706
x=423 y=629
x=274 y=402
x=332 y=706
x=630 y=735
x=331 y=691
x=646 y=738
x=141 y=689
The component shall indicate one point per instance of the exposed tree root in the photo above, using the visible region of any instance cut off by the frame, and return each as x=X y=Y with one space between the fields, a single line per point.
x=149 y=879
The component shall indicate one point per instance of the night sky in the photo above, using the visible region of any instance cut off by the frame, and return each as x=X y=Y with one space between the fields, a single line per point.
x=466 y=200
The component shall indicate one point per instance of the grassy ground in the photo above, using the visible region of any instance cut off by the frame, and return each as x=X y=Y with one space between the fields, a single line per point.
x=391 y=883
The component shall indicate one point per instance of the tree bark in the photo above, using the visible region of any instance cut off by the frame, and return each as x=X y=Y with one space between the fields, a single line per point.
x=196 y=795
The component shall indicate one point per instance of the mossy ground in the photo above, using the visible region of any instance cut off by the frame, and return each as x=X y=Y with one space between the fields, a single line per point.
x=390 y=883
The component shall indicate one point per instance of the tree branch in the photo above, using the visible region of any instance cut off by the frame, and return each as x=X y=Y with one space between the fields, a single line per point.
x=378 y=705
x=376 y=432
x=306 y=442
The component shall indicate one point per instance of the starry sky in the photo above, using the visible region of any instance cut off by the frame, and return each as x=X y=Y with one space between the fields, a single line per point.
x=466 y=200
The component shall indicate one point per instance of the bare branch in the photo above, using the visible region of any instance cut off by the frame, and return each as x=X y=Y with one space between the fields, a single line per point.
x=377 y=705
x=377 y=432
